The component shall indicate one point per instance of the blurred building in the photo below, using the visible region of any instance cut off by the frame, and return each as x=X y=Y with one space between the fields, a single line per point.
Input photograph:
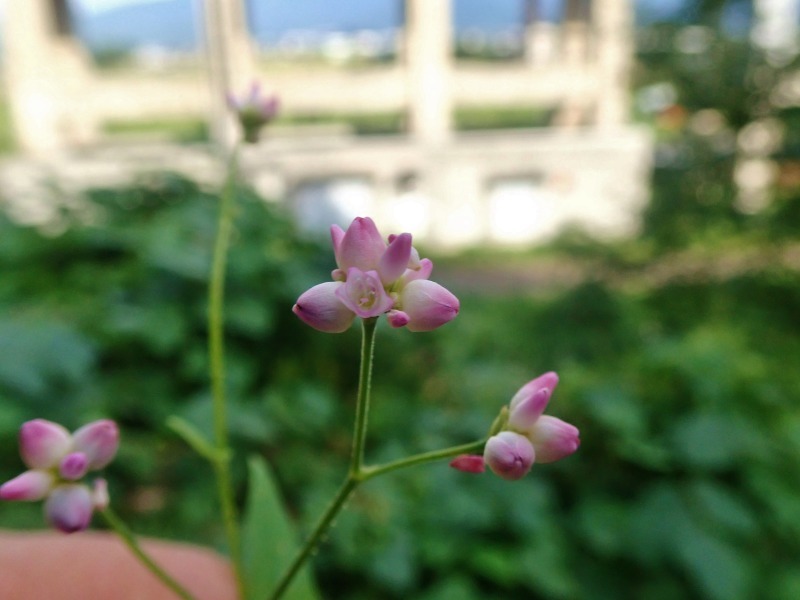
x=589 y=166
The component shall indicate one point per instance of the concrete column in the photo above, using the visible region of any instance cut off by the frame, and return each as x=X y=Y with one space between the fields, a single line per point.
x=428 y=54
x=540 y=36
x=231 y=62
x=575 y=33
x=48 y=77
x=613 y=24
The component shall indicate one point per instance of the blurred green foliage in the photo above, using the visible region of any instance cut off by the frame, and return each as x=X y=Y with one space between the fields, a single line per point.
x=685 y=392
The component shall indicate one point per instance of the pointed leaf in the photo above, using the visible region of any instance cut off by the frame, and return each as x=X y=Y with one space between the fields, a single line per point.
x=269 y=542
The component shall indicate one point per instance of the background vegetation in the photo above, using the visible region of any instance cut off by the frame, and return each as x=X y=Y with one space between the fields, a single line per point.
x=678 y=353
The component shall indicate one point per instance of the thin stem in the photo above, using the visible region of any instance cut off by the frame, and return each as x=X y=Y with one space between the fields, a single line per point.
x=317 y=534
x=364 y=388
x=354 y=476
x=422 y=458
x=128 y=538
x=216 y=351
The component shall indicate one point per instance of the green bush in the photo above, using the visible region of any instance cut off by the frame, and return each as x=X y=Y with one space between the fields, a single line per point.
x=685 y=393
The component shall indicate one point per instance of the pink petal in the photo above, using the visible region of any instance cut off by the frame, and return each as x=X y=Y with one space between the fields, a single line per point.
x=31 y=485
x=99 y=441
x=337 y=235
x=363 y=293
x=469 y=463
x=394 y=261
x=509 y=455
x=43 y=444
x=255 y=92
x=74 y=466
x=427 y=304
x=397 y=318
x=548 y=381
x=554 y=439
x=320 y=308
x=69 y=507
x=361 y=246
x=524 y=415
x=422 y=270
x=269 y=107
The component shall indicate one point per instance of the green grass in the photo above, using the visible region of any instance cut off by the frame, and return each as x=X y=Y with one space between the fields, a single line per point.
x=191 y=130
x=180 y=130
x=500 y=117
x=465 y=119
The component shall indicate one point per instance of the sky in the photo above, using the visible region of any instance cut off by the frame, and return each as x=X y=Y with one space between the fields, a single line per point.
x=100 y=5
x=93 y=5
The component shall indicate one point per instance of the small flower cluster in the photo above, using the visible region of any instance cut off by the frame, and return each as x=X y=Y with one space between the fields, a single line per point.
x=375 y=278
x=522 y=435
x=253 y=111
x=56 y=462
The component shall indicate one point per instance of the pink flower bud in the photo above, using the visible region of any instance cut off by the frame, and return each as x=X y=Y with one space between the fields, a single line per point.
x=363 y=293
x=469 y=463
x=74 y=466
x=337 y=235
x=394 y=261
x=253 y=111
x=421 y=270
x=31 y=485
x=377 y=279
x=321 y=308
x=525 y=414
x=99 y=441
x=361 y=246
x=554 y=439
x=427 y=304
x=69 y=507
x=43 y=444
x=509 y=455
x=397 y=318
x=547 y=381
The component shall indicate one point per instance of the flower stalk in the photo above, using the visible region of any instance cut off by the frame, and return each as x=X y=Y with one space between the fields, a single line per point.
x=129 y=539
x=358 y=472
x=216 y=351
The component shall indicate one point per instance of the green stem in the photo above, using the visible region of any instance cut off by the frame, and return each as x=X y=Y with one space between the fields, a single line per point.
x=356 y=459
x=419 y=459
x=362 y=402
x=216 y=351
x=313 y=540
x=127 y=536
x=358 y=473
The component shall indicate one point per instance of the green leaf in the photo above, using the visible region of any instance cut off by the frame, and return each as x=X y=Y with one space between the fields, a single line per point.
x=194 y=438
x=268 y=542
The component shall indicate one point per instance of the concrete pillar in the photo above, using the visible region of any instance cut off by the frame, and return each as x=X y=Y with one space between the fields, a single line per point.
x=48 y=77
x=428 y=55
x=575 y=33
x=613 y=24
x=231 y=63
x=540 y=36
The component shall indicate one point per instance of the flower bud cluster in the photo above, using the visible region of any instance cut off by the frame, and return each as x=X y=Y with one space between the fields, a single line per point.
x=374 y=278
x=253 y=111
x=57 y=461
x=523 y=435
